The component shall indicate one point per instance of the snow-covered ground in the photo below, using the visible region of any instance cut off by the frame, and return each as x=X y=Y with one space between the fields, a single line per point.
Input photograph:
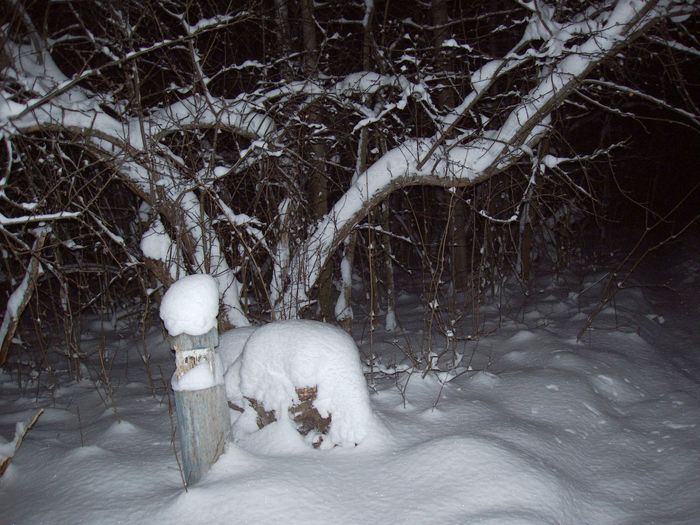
x=542 y=429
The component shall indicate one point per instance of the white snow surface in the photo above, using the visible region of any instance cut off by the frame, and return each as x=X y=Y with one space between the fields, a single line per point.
x=190 y=305
x=532 y=427
x=285 y=355
x=200 y=377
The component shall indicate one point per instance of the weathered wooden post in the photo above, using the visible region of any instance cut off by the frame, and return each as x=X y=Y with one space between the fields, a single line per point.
x=189 y=312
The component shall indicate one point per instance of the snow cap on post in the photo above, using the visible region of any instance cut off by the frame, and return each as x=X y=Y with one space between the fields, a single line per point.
x=190 y=305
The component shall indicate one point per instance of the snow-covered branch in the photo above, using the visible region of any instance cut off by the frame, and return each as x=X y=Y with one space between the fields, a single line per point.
x=481 y=157
x=46 y=217
x=692 y=117
x=68 y=107
x=238 y=151
x=63 y=85
x=21 y=295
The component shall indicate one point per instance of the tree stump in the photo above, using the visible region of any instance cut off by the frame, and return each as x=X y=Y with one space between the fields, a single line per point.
x=203 y=420
x=304 y=414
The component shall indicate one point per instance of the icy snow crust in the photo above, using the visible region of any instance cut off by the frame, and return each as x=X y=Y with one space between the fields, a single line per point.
x=282 y=356
x=190 y=305
x=542 y=430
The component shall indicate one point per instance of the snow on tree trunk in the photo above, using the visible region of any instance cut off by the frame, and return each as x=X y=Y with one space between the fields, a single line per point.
x=343 y=306
x=20 y=297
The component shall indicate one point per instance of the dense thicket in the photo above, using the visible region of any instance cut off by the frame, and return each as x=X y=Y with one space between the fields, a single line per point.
x=289 y=146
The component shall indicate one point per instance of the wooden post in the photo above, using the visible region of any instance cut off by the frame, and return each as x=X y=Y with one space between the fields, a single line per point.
x=203 y=420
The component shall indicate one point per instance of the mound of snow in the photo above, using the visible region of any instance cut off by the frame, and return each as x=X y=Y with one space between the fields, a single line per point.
x=190 y=306
x=231 y=345
x=283 y=356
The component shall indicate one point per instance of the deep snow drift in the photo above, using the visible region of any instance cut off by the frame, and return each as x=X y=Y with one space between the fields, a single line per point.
x=531 y=426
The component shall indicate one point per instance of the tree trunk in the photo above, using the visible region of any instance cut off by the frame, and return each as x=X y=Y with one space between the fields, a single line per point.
x=282 y=19
x=318 y=178
x=203 y=422
x=343 y=308
x=390 y=318
x=446 y=100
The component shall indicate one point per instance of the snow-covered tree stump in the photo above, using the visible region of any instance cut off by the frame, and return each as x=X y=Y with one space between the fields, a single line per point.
x=189 y=311
x=306 y=378
x=306 y=417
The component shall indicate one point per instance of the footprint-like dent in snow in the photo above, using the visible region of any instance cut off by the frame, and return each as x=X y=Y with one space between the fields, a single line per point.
x=565 y=360
x=614 y=389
